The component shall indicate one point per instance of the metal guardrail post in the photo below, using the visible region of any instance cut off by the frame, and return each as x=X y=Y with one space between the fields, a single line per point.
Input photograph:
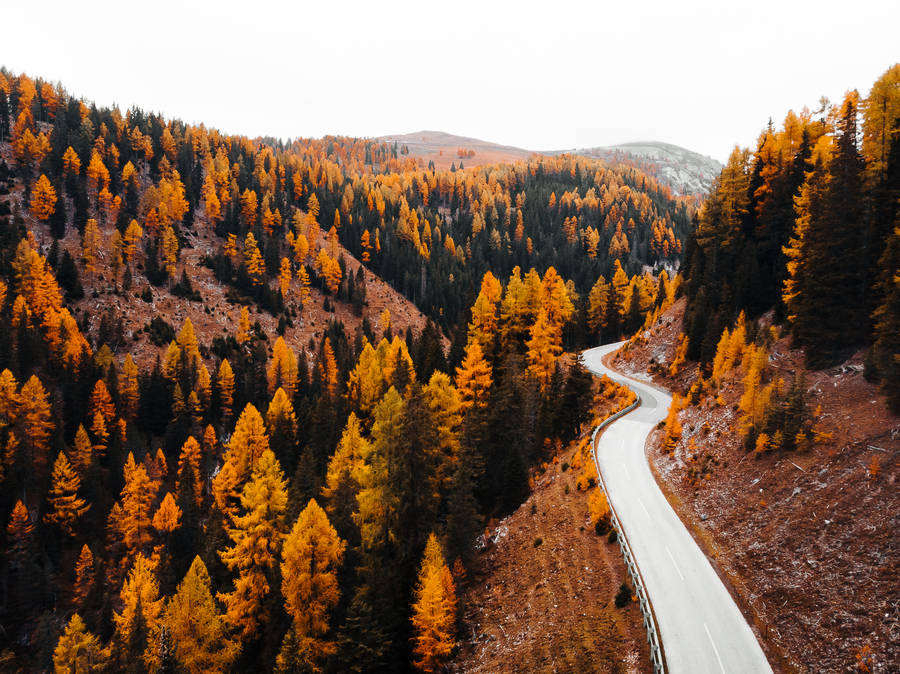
x=657 y=657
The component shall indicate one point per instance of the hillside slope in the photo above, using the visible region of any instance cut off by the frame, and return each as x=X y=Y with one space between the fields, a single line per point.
x=807 y=540
x=541 y=595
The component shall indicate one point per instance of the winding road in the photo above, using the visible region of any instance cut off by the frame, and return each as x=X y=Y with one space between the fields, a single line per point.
x=701 y=628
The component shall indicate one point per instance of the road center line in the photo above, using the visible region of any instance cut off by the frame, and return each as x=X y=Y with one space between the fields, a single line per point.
x=644 y=507
x=715 y=650
x=673 y=563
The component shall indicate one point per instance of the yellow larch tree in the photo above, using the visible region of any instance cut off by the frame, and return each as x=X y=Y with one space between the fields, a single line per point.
x=203 y=388
x=311 y=557
x=598 y=303
x=248 y=443
x=330 y=269
x=132 y=516
x=101 y=402
x=483 y=327
x=249 y=206
x=84 y=575
x=281 y=420
x=91 y=243
x=473 y=378
x=188 y=477
x=116 y=252
x=253 y=259
x=71 y=162
x=341 y=485
x=36 y=420
x=19 y=531
x=256 y=534
x=544 y=348
x=129 y=392
x=285 y=276
x=82 y=451
x=282 y=371
x=445 y=405
x=365 y=384
x=756 y=396
x=303 y=277
x=225 y=389
x=43 y=199
x=434 y=611
x=78 y=650
x=187 y=340
x=231 y=246
x=328 y=369
x=167 y=517
x=66 y=508
x=137 y=624
x=133 y=234
x=169 y=250
x=200 y=635
x=243 y=332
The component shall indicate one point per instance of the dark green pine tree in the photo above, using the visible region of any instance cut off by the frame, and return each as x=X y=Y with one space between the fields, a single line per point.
x=886 y=351
x=830 y=305
x=4 y=116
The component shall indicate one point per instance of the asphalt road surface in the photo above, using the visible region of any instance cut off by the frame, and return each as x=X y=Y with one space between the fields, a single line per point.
x=701 y=628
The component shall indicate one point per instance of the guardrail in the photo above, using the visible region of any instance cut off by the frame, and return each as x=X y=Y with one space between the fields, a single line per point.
x=657 y=656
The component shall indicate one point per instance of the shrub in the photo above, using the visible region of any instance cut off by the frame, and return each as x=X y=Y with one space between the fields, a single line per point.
x=623 y=596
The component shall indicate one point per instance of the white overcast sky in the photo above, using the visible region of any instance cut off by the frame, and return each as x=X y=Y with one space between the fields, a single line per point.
x=547 y=75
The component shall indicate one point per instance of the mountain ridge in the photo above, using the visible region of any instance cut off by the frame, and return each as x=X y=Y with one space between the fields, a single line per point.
x=686 y=172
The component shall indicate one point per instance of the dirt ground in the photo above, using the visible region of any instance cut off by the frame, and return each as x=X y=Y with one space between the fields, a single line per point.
x=548 y=606
x=807 y=541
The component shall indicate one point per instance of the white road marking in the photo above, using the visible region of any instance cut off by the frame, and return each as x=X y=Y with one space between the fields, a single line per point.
x=673 y=563
x=644 y=507
x=715 y=650
x=625 y=468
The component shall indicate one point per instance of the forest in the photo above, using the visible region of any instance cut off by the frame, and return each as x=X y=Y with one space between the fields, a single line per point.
x=808 y=226
x=242 y=502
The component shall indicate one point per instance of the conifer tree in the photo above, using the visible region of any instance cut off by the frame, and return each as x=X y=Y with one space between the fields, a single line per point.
x=19 y=531
x=37 y=422
x=133 y=519
x=137 y=624
x=311 y=557
x=434 y=610
x=129 y=393
x=198 y=631
x=248 y=443
x=544 y=348
x=189 y=476
x=84 y=575
x=598 y=303
x=256 y=534
x=473 y=378
x=82 y=452
x=225 y=388
x=43 y=199
x=282 y=372
x=78 y=650
x=342 y=477
x=66 y=508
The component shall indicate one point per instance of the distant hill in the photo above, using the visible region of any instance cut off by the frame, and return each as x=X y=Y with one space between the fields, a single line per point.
x=686 y=172
x=443 y=148
x=682 y=170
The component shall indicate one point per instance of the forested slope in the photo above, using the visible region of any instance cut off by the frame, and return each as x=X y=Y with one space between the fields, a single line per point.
x=199 y=399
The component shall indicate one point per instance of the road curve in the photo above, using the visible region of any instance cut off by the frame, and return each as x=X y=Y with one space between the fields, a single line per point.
x=701 y=628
